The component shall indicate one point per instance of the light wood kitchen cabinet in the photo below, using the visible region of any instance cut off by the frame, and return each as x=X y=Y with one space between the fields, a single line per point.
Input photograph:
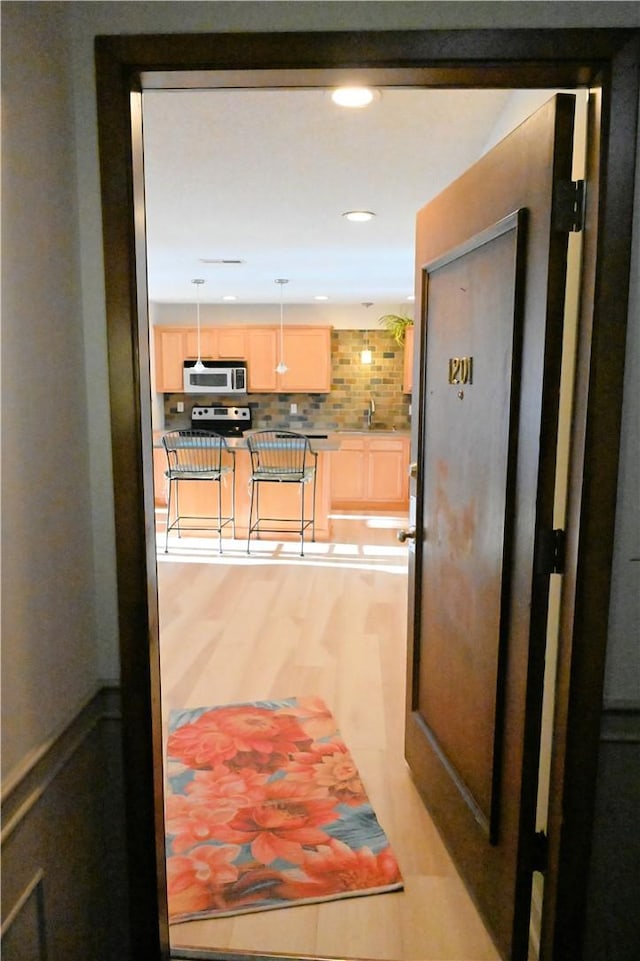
x=159 y=480
x=371 y=471
x=232 y=343
x=172 y=346
x=307 y=354
x=276 y=500
x=348 y=473
x=262 y=358
x=407 y=376
x=387 y=469
x=208 y=343
x=170 y=351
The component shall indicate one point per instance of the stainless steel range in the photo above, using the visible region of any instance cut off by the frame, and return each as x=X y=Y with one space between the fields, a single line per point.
x=228 y=421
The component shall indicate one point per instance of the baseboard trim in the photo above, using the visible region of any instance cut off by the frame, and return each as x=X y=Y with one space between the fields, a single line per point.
x=620 y=722
x=28 y=783
x=32 y=889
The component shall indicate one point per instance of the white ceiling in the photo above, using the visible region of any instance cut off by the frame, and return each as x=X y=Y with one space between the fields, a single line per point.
x=264 y=176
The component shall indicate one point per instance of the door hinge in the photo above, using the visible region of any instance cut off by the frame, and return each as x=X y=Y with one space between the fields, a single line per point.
x=539 y=852
x=568 y=206
x=551 y=548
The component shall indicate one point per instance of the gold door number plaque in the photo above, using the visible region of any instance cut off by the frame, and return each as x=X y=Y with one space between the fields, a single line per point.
x=461 y=370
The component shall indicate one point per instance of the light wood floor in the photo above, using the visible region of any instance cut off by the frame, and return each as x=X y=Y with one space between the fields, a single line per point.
x=332 y=623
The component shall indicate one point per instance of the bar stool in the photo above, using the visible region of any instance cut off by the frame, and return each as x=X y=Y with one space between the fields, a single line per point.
x=197 y=455
x=281 y=457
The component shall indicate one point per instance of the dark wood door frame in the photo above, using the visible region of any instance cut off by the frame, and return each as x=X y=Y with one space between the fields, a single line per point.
x=606 y=60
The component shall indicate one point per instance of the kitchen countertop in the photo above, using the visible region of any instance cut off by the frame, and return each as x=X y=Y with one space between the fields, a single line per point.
x=330 y=439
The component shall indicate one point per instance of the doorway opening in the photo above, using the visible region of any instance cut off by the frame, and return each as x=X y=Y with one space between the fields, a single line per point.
x=125 y=64
x=220 y=668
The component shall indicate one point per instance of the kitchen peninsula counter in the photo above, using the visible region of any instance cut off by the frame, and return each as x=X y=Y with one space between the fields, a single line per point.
x=277 y=500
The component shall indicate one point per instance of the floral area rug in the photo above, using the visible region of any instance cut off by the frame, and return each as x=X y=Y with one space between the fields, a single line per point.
x=265 y=809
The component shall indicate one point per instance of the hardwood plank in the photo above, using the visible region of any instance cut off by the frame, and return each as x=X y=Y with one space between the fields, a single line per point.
x=344 y=927
x=332 y=624
x=440 y=921
x=290 y=934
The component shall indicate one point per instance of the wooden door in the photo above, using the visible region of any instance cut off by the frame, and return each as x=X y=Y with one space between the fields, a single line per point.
x=491 y=253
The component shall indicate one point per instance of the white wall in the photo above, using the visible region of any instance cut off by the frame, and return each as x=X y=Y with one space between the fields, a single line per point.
x=342 y=317
x=49 y=658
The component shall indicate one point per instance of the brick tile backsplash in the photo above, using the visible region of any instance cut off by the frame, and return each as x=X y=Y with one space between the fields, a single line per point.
x=345 y=408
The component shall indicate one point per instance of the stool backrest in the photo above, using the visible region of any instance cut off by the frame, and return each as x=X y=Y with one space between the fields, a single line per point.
x=280 y=452
x=195 y=451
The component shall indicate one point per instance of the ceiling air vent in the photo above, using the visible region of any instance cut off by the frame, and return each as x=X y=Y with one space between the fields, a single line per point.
x=220 y=260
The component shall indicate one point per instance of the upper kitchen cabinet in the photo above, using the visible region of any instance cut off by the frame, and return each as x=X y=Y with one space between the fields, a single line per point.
x=233 y=343
x=170 y=346
x=407 y=377
x=208 y=343
x=307 y=354
x=174 y=345
x=262 y=359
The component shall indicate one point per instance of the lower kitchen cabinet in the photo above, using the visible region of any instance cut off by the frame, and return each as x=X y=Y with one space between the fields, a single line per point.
x=370 y=471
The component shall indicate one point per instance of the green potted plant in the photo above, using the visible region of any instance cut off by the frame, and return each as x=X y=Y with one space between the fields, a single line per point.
x=397 y=325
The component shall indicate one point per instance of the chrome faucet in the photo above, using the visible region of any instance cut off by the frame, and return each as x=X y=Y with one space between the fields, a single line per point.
x=370 y=412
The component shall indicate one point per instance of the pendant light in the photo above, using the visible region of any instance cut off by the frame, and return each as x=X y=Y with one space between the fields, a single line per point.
x=365 y=353
x=198 y=364
x=282 y=367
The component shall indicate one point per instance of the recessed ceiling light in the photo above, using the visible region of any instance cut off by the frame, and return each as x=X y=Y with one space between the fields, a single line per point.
x=321 y=297
x=353 y=96
x=358 y=216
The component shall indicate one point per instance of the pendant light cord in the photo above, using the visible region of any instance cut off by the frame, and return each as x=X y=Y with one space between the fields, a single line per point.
x=198 y=282
x=282 y=367
x=281 y=326
x=198 y=323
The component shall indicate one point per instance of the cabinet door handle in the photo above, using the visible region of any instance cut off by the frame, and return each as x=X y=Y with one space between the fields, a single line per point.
x=408 y=535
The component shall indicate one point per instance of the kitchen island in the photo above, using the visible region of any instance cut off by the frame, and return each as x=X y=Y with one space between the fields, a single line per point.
x=357 y=470
x=277 y=500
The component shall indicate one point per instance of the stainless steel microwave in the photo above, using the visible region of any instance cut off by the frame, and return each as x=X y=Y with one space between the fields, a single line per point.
x=215 y=377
